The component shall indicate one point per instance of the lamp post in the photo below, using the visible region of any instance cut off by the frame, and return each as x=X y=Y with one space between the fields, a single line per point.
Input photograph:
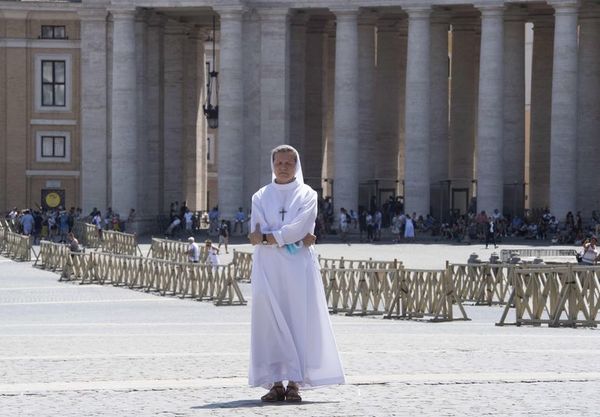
x=212 y=86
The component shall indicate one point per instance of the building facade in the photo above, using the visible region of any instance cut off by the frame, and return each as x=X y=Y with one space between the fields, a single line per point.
x=430 y=101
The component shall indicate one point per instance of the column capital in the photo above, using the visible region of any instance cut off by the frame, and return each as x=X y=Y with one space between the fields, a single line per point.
x=347 y=13
x=122 y=13
x=491 y=10
x=199 y=33
x=230 y=12
x=416 y=12
x=274 y=14
x=564 y=6
x=90 y=15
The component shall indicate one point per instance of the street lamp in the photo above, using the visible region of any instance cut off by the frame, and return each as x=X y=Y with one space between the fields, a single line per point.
x=212 y=85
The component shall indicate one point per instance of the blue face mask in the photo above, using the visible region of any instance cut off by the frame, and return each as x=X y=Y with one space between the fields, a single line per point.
x=292 y=248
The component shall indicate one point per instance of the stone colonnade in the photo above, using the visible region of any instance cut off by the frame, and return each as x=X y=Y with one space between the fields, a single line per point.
x=372 y=98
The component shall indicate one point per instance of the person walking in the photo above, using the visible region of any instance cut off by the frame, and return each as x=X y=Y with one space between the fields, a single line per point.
x=291 y=335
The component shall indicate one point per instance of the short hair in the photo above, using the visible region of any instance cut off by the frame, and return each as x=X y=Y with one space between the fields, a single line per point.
x=282 y=149
x=208 y=242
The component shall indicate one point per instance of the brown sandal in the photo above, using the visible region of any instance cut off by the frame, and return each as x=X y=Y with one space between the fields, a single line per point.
x=291 y=394
x=276 y=393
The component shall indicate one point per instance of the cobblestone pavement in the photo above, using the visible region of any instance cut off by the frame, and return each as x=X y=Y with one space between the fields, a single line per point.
x=73 y=350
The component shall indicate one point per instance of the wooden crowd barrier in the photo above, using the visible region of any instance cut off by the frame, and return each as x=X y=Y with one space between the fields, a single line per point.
x=343 y=263
x=173 y=250
x=9 y=225
x=87 y=234
x=558 y=296
x=120 y=243
x=16 y=246
x=52 y=256
x=505 y=254
x=425 y=293
x=483 y=283
x=183 y=279
x=242 y=265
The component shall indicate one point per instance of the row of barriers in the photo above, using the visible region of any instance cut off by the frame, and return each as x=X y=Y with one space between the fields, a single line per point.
x=107 y=240
x=557 y=295
x=565 y=295
x=14 y=245
x=183 y=279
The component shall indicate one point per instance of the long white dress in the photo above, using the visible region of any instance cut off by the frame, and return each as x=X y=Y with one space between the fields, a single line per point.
x=291 y=338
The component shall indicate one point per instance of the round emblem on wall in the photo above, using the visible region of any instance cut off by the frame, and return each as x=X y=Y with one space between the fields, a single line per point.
x=52 y=200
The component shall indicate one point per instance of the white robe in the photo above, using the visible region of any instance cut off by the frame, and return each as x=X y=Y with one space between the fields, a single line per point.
x=291 y=338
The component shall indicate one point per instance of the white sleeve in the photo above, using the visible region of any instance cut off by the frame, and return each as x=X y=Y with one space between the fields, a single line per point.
x=303 y=223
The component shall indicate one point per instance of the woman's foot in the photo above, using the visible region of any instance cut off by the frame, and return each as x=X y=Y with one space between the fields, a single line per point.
x=291 y=393
x=276 y=393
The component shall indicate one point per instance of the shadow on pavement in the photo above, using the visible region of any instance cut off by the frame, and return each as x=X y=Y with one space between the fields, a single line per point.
x=255 y=404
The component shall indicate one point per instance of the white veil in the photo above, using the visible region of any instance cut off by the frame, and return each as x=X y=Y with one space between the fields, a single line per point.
x=298 y=173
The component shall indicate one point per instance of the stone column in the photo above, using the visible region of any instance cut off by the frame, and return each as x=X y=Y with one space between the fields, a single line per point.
x=194 y=144
x=366 y=92
x=345 y=191
x=230 y=145
x=438 y=134
x=541 y=99
x=124 y=152
x=462 y=103
x=588 y=145
x=417 y=111
x=173 y=112
x=298 y=83
x=94 y=175
x=514 y=112
x=490 y=121
x=153 y=97
x=563 y=127
x=251 y=130
x=274 y=85
x=328 y=168
x=316 y=95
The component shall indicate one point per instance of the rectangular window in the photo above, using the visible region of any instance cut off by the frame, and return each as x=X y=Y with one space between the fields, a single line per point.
x=53 y=146
x=53 y=83
x=53 y=32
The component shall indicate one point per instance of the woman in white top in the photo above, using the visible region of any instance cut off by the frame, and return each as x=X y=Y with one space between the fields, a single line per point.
x=590 y=252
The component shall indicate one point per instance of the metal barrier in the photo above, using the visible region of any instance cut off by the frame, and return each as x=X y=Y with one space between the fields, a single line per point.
x=557 y=296
x=505 y=254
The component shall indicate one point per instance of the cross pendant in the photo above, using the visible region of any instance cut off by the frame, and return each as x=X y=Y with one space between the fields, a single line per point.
x=282 y=212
